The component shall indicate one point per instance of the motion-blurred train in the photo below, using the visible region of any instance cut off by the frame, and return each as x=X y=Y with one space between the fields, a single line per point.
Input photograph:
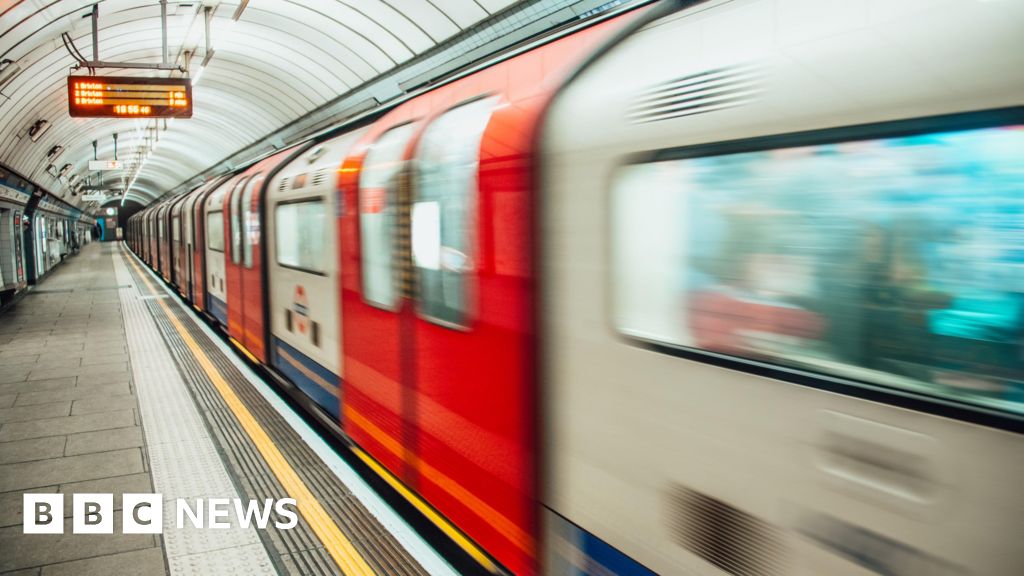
x=727 y=287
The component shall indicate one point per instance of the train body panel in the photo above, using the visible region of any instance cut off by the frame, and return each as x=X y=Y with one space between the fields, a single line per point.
x=714 y=214
x=303 y=274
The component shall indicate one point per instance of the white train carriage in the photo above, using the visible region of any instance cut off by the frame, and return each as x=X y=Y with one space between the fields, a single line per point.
x=214 y=245
x=303 y=275
x=783 y=293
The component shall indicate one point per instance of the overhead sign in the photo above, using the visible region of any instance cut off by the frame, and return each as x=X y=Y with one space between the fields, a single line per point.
x=95 y=197
x=105 y=165
x=129 y=97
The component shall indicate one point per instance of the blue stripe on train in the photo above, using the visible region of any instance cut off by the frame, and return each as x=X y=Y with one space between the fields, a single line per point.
x=577 y=552
x=219 y=309
x=297 y=366
x=610 y=558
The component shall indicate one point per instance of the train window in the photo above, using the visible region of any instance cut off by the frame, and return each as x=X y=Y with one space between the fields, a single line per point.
x=236 y=222
x=377 y=214
x=443 y=213
x=251 y=222
x=892 y=262
x=215 y=231
x=301 y=228
x=176 y=229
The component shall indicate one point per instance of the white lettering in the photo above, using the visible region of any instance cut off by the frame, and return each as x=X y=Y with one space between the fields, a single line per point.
x=196 y=517
x=293 y=517
x=217 y=508
x=252 y=509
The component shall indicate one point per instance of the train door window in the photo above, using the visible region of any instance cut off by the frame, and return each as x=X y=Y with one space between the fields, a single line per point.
x=236 y=222
x=892 y=261
x=377 y=214
x=215 y=231
x=250 y=222
x=176 y=230
x=300 y=228
x=444 y=211
x=160 y=226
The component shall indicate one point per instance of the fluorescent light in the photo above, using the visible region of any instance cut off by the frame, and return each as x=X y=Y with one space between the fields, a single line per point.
x=199 y=72
x=38 y=129
x=8 y=70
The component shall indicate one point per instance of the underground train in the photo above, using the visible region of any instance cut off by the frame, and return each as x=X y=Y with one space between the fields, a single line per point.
x=37 y=232
x=724 y=287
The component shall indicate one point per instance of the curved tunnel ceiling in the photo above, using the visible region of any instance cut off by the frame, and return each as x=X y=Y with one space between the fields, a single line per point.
x=280 y=60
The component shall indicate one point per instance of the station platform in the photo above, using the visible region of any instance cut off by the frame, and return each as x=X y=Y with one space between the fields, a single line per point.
x=110 y=385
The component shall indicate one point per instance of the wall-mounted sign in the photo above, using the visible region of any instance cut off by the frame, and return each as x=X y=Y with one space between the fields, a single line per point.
x=105 y=165
x=129 y=97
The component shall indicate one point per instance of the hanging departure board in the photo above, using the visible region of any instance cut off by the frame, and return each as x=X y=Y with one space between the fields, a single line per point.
x=129 y=97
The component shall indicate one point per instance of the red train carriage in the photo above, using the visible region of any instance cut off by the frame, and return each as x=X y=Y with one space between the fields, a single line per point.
x=243 y=260
x=437 y=299
x=200 y=293
x=164 y=239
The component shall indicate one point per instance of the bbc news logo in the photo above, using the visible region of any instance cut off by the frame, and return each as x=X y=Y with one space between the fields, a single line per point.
x=144 y=513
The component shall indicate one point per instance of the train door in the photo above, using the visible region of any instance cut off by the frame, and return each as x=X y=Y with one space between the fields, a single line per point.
x=215 y=244
x=164 y=213
x=372 y=413
x=39 y=240
x=161 y=232
x=470 y=319
x=252 y=268
x=19 y=247
x=199 y=245
x=151 y=233
x=53 y=239
x=175 y=244
x=187 y=235
x=7 y=276
x=232 y=208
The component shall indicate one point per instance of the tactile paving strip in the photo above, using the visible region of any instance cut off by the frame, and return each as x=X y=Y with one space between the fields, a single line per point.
x=298 y=549
x=183 y=458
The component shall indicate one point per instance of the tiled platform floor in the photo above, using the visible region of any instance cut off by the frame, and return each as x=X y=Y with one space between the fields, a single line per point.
x=69 y=420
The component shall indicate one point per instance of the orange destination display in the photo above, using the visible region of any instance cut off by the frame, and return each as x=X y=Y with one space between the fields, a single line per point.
x=129 y=97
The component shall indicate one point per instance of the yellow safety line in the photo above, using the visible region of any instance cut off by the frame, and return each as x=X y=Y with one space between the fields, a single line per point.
x=243 y=350
x=338 y=546
x=427 y=510
x=486 y=512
